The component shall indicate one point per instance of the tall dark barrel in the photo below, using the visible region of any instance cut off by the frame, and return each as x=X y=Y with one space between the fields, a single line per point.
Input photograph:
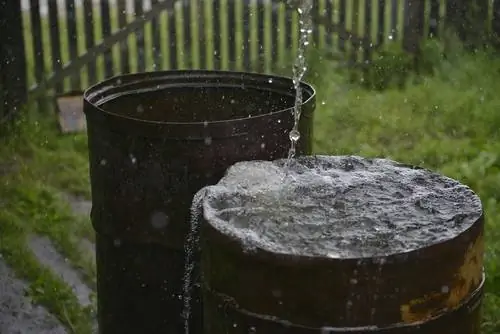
x=154 y=140
x=347 y=245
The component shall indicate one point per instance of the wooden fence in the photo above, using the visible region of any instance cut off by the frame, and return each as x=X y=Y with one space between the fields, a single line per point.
x=49 y=47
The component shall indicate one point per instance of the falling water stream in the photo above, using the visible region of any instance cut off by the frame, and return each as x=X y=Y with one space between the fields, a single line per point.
x=299 y=68
x=304 y=8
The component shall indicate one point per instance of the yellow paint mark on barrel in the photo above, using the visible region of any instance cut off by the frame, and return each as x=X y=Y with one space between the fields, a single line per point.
x=467 y=278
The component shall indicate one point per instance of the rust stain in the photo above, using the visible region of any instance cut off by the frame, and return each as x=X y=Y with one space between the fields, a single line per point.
x=467 y=278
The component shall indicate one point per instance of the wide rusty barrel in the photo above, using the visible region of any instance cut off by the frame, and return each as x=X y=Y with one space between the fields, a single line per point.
x=340 y=245
x=154 y=140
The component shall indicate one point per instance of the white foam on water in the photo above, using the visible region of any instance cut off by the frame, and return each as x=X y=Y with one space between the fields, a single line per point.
x=190 y=247
x=338 y=207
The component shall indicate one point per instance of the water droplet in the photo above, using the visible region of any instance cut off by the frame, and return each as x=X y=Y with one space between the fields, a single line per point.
x=270 y=80
x=205 y=124
x=159 y=220
x=117 y=242
x=294 y=135
x=140 y=108
x=262 y=146
x=103 y=162
x=445 y=289
x=208 y=141
x=133 y=159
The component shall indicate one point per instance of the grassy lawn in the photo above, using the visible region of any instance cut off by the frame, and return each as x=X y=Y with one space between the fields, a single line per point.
x=446 y=121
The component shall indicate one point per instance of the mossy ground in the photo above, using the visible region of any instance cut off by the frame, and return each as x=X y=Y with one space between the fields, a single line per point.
x=446 y=120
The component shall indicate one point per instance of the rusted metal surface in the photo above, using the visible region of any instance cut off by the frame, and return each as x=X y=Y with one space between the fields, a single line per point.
x=154 y=140
x=429 y=290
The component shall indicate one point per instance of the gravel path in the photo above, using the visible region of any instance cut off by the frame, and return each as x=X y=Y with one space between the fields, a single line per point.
x=18 y=315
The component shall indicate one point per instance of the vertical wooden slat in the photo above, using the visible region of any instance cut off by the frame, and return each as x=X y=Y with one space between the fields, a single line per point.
x=394 y=20
x=216 y=10
x=231 y=25
x=414 y=25
x=342 y=22
x=495 y=23
x=316 y=12
x=156 y=26
x=89 y=38
x=36 y=32
x=72 y=36
x=328 y=31
x=275 y=32
x=186 y=23
x=139 y=39
x=354 y=30
x=434 y=19
x=261 y=31
x=124 y=46
x=368 y=30
x=13 y=83
x=381 y=22
x=289 y=29
x=172 y=40
x=246 y=35
x=55 y=41
x=202 y=46
x=106 y=31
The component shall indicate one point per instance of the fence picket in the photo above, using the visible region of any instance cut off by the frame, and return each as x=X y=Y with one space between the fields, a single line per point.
x=89 y=39
x=36 y=31
x=72 y=36
x=216 y=34
x=172 y=39
x=55 y=42
x=106 y=31
x=187 y=38
x=140 y=45
x=381 y=22
x=124 y=45
x=157 y=53
x=342 y=22
x=231 y=42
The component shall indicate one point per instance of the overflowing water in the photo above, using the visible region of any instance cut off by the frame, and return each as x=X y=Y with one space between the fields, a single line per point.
x=339 y=207
x=190 y=248
x=299 y=69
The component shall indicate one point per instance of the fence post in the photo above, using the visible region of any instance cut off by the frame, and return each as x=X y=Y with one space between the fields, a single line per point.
x=469 y=20
x=495 y=24
x=12 y=59
x=413 y=25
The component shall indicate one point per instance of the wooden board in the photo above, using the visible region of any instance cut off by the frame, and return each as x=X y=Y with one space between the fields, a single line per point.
x=70 y=114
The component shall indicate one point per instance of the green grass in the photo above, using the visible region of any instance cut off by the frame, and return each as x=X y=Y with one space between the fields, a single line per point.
x=36 y=168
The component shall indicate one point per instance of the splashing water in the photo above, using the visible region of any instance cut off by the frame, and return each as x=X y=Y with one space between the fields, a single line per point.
x=300 y=68
x=190 y=248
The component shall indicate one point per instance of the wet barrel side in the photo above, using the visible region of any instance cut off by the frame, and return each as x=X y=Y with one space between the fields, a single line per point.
x=145 y=170
x=435 y=289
